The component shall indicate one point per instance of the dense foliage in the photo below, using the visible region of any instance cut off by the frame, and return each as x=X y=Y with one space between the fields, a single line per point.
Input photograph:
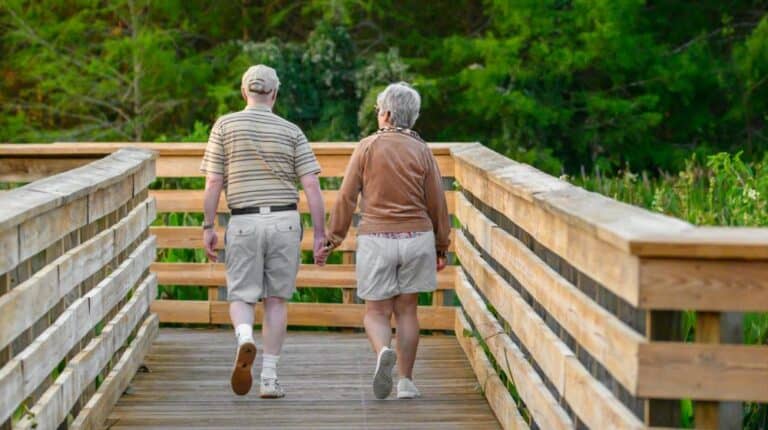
x=559 y=83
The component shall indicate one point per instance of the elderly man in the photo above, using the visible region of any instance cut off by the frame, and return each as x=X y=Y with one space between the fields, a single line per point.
x=403 y=236
x=258 y=157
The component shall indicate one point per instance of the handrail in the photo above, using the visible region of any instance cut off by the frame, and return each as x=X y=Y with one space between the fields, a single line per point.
x=76 y=247
x=591 y=290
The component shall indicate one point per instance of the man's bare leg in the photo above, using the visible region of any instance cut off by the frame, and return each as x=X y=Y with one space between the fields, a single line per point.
x=273 y=330
x=241 y=314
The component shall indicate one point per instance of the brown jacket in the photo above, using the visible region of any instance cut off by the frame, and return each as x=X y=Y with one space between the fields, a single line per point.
x=401 y=188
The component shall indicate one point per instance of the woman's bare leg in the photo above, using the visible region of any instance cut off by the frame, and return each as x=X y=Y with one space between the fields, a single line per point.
x=378 y=314
x=405 y=308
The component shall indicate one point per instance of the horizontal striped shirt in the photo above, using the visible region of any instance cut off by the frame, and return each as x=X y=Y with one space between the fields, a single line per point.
x=261 y=157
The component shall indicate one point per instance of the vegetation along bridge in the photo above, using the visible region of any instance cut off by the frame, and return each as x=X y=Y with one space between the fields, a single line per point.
x=565 y=310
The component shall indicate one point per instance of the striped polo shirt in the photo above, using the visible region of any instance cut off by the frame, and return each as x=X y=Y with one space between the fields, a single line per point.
x=261 y=157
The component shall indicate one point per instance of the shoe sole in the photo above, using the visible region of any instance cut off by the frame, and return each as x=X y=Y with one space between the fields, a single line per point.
x=382 y=380
x=242 y=378
x=272 y=396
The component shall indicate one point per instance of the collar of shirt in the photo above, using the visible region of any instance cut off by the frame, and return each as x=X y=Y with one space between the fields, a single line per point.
x=260 y=107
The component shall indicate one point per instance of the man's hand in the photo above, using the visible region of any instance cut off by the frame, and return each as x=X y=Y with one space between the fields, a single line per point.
x=441 y=263
x=210 y=240
x=320 y=251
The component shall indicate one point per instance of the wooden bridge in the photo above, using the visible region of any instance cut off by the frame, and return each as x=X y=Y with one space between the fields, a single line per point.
x=565 y=311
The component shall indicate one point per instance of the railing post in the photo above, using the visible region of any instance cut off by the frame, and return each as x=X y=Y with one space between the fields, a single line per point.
x=663 y=326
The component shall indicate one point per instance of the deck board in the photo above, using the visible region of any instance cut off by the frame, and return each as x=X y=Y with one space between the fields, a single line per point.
x=326 y=376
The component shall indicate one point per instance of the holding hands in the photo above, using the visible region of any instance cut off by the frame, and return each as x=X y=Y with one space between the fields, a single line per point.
x=321 y=251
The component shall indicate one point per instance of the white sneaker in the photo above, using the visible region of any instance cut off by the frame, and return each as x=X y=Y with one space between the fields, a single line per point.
x=406 y=389
x=271 y=389
x=242 y=378
x=382 y=378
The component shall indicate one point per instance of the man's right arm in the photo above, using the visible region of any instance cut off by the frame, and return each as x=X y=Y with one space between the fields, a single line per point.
x=214 y=183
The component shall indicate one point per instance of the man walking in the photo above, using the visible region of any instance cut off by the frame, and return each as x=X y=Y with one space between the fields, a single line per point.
x=257 y=158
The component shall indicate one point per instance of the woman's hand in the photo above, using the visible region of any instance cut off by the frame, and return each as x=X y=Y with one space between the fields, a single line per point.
x=441 y=263
x=210 y=239
x=320 y=251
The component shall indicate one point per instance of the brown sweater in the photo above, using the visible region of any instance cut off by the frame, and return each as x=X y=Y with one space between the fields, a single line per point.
x=401 y=189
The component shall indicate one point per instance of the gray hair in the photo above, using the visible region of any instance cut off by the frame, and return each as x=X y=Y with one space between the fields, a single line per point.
x=402 y=102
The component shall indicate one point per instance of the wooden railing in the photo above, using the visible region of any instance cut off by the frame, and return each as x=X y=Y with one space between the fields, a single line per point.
x=182 y=160
x=75 y=291
x=578 y=299
x=574 y=299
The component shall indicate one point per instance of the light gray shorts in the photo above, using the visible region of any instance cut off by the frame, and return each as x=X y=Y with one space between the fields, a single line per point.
x=262 y=255
x=387 y=267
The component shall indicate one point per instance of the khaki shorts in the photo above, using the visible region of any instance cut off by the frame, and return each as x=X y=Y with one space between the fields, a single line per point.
x=389 y=267
x=262 y=255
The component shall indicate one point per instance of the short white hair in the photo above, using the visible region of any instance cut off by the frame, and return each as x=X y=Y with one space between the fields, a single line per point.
x=402 y=102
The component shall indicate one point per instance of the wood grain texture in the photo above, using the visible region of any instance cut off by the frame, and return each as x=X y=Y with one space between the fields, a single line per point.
x=326 y=376
x=55 y=404
x=544 y=408
x=310 y=275
x=191 y=237
x=607 y=339
x=497 y=395
x=704 y=371
x=96 y=411
x=707 y=285
x=192 y=201
x=563 y=369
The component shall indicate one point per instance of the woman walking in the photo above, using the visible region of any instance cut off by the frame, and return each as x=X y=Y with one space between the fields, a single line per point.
x=403 y=235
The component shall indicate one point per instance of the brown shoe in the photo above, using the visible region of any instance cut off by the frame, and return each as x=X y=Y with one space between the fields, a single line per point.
x=242 y=378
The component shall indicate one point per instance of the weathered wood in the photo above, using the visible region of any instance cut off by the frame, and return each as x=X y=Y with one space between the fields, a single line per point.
x=557 y=362
x=299 y=314
x=310 y=275
x=706 y=414
x=190 y=368
x=663 y=326
x=9 y=243
x=707 y=285
x=704 y=371
x=706 y=243
x=497 y=395
x=601 y=333
x=106 y=200
x=192 y=201
x=27 y=303
x=41 y=231
x=100 y=404
x=544 y=408
x=192 y=237
x=11 y=384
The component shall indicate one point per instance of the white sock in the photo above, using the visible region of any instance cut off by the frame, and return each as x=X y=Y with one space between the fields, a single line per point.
x=269 y=366
x=244 y=332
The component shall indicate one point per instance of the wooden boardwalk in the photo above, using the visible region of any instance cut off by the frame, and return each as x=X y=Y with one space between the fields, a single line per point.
x=327 y=378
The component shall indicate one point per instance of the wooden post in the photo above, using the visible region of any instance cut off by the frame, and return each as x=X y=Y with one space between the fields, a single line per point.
x=664 y=326
x=714 y=327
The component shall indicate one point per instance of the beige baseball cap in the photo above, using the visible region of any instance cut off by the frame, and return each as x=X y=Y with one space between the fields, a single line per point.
x=260 y=79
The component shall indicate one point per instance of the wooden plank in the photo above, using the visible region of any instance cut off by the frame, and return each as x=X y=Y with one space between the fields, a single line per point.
x=338 y=315
x=11 y=384
x=310 y=275
x=192 y=201
x=98 y=407
x=682 y=284
x=29 y=302
x=497 y=395
x=37 y=198
x=28 y=169
x=43 y=230
x=663 y=326
x=704 y=371
x=706 y=414
x=616 y=270
x=543 y=407
x=192 y=237
x=56 y=403
x=21 y=307
x=9 y=243
x=706 y=243
x=183 y=311
x=552 y=356
x=607 y=338
x=106 y=200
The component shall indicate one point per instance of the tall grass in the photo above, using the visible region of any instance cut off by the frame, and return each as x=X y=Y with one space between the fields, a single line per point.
x=720 y=190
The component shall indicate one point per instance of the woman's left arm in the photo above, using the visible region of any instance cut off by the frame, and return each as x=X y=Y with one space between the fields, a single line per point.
x=437 y=209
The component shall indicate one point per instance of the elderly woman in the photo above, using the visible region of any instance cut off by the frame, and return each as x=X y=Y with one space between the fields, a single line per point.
x=402 y=237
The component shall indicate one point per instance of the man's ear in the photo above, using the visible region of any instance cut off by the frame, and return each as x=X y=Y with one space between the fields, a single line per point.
x=242 y=93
